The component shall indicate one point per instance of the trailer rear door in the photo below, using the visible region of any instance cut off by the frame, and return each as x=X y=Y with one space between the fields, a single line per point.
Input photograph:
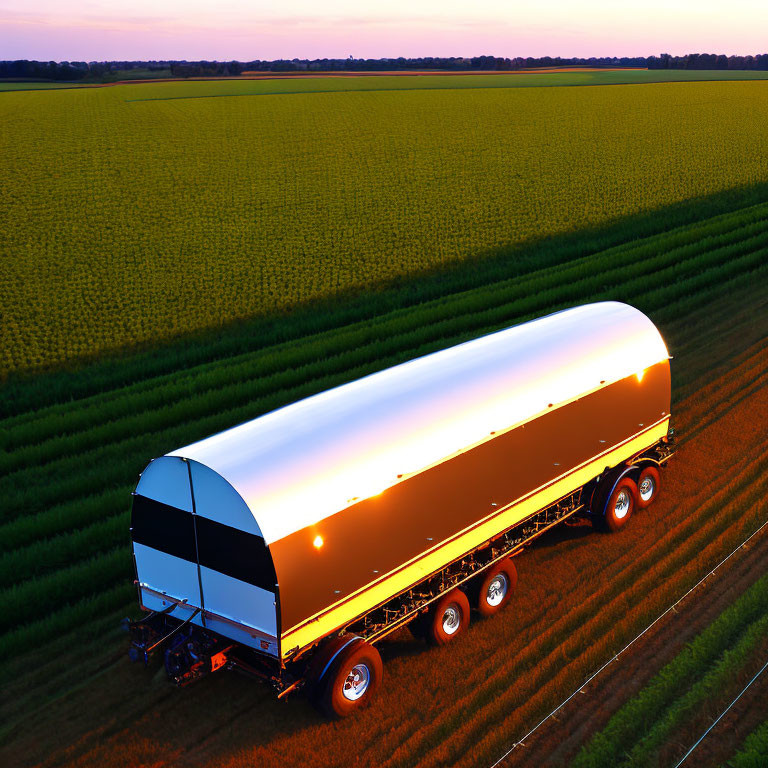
x=163 y=533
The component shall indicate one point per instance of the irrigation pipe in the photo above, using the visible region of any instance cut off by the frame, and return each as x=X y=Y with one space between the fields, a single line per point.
x=722 y=715
x=610 y=661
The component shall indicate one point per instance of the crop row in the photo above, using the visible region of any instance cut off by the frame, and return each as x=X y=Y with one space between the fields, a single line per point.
x=69 y=476
x=698 y=673
x=754 y=752
x=90 y=525
x=59 y=429
x=580 y=601
x=180 y=403
x=32 y=546
x=76 y=583
x=294 y=84
x=536 y=263
x=60 y=619
x=33 y=489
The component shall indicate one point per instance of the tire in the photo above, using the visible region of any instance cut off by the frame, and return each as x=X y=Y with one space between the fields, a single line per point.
x=621 y=504
x=496 y=588
x=648 y=487
x=448 y=618
x=351 y=681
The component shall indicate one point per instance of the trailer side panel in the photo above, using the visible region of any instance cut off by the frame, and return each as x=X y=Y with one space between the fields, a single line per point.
x=387 y=542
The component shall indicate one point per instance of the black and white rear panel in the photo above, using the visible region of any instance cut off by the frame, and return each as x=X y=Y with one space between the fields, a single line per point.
x=196 y=542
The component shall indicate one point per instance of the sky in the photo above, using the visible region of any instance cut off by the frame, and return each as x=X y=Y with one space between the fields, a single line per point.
x=236 y=29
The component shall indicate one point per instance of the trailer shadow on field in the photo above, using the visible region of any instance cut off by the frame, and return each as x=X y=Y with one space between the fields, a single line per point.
x=567 y=531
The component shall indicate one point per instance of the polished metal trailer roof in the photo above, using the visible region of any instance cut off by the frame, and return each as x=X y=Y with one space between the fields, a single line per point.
x=303 y=463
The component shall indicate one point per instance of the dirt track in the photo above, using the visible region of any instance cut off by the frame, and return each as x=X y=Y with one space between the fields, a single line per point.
x=462 y=705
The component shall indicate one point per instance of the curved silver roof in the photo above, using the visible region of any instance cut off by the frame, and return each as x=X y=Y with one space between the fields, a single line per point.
x=302 y=463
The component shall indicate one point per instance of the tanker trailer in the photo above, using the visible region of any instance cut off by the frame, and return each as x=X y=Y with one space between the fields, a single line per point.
x=288 y=546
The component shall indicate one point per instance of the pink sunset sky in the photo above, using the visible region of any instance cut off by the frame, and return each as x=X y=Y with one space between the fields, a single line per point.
x=228 y=29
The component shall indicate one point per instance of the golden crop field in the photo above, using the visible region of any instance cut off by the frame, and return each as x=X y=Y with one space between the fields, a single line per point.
x=129 y=221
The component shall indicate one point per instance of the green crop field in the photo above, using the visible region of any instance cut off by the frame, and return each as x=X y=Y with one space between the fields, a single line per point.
x=348 y=229
x=298 y=83
x=134 y=216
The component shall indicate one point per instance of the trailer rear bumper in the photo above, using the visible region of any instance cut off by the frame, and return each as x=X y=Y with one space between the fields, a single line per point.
x=154 y=601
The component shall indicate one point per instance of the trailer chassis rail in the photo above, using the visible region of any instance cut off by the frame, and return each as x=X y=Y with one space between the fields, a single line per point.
x=396 y=613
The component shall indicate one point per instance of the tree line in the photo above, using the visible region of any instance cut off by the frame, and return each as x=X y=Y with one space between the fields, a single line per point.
x=103 y=71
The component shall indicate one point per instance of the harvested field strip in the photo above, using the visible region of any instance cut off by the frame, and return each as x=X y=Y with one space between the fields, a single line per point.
x=17 y=485
x=561 y=656
x=557 y=739
x=99 y=641
x=758 y=380
x=746 y=323
x=592 y=271
x=698 y=673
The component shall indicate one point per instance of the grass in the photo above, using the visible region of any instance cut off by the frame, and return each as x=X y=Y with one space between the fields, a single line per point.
x=73 y=441
x=297 y=84
x=9 y=85
x=22 y=393
x=188 y=214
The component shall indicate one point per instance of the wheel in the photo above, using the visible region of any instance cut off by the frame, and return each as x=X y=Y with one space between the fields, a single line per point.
x=648 y=487
x=620 y=504
x=448 y=618
x=351 y=681
x=496 y=587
